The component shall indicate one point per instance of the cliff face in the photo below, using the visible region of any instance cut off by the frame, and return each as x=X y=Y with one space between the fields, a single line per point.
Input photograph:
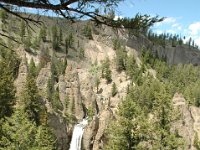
x=79 y=96
x=173 y=55
x=188 y=123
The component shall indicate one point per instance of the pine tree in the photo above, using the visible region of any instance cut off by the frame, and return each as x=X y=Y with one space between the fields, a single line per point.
x=97 y=82
x=106 y=72
x=60 y=36
x=32 y=68
x=31 y=100
x=53 y=95
x=81 y=53
x=56 y=103
x=9 y=64
x=18 y=132
x=7 y=90
x=121 y=59
x=116 y=44
x=131 y=131
x=4 y=17
x=55 y=39
x=54 y=69
x=196 y=141
x=44 y=139
x=69 y=40
x=21 y=133
x=22 y=30
x=66 y=45
x=131 y=66
x=43 y=34
x=164 y=117
x=27 y=43
x=35 y=43
x=114 y=89
x=87 y=31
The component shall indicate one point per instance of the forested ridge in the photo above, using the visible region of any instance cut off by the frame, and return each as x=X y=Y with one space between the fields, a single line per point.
x=145 y=116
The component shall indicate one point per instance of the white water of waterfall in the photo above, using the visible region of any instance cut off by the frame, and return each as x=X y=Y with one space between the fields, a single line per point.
x=77 y=135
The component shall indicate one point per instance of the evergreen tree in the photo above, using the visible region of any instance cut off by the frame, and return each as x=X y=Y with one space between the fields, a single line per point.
x=50 y=88
x=22 y=30
x=21 y=133
x=81 y=53
x=4 y=17
x=18 y=132
x=32 y=68
x=27 y=43
x=56 y=103
x=116 y=44
x=114 y=89
x=69 y=40
x=7 y=90
x=164 y=118
x=106 y=72
x=35 y=43
x=196 y=142
x=60 y=35
x=9 y=64
x=44 y=58
x=44 y=139
x=131 y=131
x=66 y=46
x=55 y=38
x=97 y=82
x=131 y=66
x=121 y=59
x=54 y=69
x=53 y=95
x=87 y=31
x=43 y=34
x=31 y=100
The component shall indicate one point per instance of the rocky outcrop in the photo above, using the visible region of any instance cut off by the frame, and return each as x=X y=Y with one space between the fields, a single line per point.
x=173 y=55
x=60 y=131
x=89 y=134
x=178 y=54
x=185 y=123
x=189 y=121
x=42 y=80
x=75 y=105
x=104 y=119
x=195 y=112
x=55 y=120
x=21 y=79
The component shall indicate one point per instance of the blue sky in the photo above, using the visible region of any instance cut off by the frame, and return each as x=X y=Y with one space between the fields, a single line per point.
x=182 y=16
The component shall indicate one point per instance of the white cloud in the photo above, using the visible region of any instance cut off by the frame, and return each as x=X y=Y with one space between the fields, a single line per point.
x=176 y=26
x=179 y=28
x=197 y=41
x=159 y=31
x=118 y=17
x=171 y=31
x=194 y=28
x=168 y=20
x=173 y=26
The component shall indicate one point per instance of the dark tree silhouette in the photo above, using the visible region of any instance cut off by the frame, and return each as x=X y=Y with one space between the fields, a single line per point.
x=99 y=11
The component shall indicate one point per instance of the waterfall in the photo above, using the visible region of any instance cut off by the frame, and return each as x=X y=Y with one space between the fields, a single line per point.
x=77 y=135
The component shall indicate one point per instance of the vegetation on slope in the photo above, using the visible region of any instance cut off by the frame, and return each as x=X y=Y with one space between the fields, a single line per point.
x=145 y=115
